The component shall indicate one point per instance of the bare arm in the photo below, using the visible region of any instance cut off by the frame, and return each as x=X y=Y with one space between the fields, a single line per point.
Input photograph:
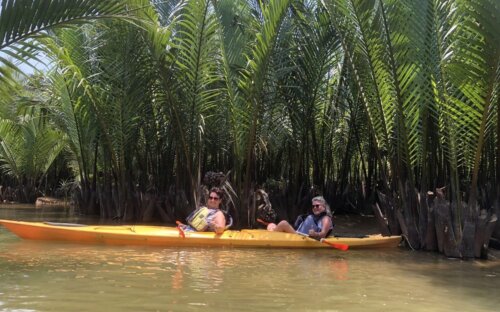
x=327 y=225
x=219 y=222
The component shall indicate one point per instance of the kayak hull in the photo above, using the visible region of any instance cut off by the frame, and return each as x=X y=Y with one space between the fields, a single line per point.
x=144 y=235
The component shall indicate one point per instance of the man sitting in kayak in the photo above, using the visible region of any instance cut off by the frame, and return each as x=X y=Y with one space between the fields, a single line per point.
x=210 y=217
x=317 y=225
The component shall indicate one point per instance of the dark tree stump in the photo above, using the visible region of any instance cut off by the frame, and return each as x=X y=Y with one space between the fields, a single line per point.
x=484 y=230
x=429 y=242
x=445 y=234
x=166 y=211
x=388 y=209
x=410 y=214
x=381 y=220
x=468 y=238
x=147 y=204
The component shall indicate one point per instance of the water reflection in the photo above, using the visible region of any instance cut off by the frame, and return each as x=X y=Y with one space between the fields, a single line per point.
x=44 y=276
x=29 y=212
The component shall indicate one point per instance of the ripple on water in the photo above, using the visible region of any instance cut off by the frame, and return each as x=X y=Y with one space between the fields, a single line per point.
x=66 y=277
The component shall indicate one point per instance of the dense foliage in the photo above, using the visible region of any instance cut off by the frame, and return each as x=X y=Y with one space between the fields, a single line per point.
x=371 y=102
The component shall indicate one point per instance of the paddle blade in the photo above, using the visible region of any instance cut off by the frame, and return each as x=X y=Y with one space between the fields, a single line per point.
x=342 y=247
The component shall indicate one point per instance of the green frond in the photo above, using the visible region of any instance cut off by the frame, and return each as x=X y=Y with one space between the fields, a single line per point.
x=24 y=19
x=472 y=68
x=28 y=148
x=358 y=25
x=9 y=152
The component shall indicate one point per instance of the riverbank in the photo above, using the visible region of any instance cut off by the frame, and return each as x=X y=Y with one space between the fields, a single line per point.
x=356 y=224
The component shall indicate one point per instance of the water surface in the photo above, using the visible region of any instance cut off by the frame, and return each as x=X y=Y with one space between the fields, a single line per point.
x=45 y=276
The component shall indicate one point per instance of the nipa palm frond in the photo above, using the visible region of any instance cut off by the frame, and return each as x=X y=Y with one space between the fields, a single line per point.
x=23 y=19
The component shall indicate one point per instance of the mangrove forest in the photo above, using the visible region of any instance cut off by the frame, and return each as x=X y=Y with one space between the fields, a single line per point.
x=130 y=109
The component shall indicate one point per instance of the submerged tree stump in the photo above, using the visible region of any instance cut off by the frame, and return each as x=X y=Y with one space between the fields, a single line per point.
x=51 y=202
x=427 y=221
x=381 y=220
x=387 y=212
x=446 y=239
x=436 y=224
x=468 y=238
x=484 y=230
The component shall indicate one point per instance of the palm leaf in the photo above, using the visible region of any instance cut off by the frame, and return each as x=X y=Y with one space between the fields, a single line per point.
x=191 y=79
x=22 y=19
x=255 y=77
x=473 y=69
x=8 y=152
x=28 y=148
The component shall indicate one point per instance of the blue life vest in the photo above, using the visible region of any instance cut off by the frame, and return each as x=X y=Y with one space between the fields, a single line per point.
x=311 y=222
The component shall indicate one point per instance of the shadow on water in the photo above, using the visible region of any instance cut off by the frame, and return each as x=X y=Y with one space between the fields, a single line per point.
x=29 y=212
x=45 y=276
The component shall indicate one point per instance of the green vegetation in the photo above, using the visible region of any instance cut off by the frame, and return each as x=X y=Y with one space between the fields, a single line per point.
x=383 y=104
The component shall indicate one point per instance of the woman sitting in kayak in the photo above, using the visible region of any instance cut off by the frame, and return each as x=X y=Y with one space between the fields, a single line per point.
x=210 y=217
x=318 y=224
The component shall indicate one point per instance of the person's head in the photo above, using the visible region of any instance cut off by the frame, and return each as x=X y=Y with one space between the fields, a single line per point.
x=320 y=205
x=214 y=197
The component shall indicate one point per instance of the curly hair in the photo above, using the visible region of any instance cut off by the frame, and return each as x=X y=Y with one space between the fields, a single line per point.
x=218 y=191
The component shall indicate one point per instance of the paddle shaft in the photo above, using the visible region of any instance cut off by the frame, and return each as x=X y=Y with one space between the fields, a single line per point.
x=342 y=247
x=263 y=222
x=338 y=246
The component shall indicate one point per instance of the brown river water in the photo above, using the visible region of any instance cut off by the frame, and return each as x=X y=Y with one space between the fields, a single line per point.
x=48 y=276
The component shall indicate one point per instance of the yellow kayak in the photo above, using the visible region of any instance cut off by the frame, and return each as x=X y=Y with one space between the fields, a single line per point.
x=171 y=236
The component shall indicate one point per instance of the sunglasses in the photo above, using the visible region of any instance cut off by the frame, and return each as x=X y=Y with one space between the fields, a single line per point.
x=213 y=198
x=316 y=206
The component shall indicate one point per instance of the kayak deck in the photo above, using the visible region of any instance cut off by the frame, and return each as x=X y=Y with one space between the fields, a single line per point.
x=170 y=236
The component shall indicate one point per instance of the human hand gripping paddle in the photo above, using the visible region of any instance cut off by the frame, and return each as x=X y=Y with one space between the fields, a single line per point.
x=179 y=228
x=338 y=246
